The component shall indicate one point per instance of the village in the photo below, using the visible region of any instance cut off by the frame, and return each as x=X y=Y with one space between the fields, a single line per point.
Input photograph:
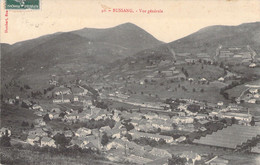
x=128 y=135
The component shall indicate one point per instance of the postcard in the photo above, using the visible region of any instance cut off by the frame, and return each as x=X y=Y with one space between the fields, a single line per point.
x=160 y=82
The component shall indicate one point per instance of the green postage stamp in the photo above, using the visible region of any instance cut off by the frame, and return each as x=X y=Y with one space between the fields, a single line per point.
x=22 y=4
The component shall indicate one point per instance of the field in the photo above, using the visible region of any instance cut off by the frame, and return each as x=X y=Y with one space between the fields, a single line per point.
x=237 y=91
x=20 y=156
x=210 y=72
x=175 y=90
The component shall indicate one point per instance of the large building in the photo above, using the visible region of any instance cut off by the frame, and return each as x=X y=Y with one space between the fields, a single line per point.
x=230 y=137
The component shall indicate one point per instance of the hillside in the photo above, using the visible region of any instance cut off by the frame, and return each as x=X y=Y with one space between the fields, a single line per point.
x=127 y=36
x=208 y=39
x=77 y=52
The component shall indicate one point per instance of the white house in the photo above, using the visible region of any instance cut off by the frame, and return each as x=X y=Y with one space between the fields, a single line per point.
x=253 y=90
x=189 y=155
x=252 y=65
x=221 y=79
x=220 y=103
x=4 y=130
x=252 y=101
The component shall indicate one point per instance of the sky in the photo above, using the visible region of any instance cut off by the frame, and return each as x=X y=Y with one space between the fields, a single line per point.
x=179 y=18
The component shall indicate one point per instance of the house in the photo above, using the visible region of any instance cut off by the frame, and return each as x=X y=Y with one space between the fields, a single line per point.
x=116 y=144
x=160 y=152
x=233 y=107
x=83 y=132
x=238 y=116
x=190 y=60
x=68 y=133
x=252 y=101
x=37 y=107
x=146 y=128
x=203 y=80
x=203 y=122
x=46 y=141
x=157 y=123
x=53 y=82
x=257 y=95
x=76 y=98
x=190 y=79
x=180 y=139
x=5 y=131
x=220 y=103
x=256 y=149
x=105 y=129
x=151 y=115
x=26 y=104
x=78 y=142
x=93 y=145
x=61 y=91
x=33 y=139
x=252 y=65
x=182 y=119
x=10 y=101
x=39 y=132
x=253 y=90
x=87 y=103
x=221 y=79
x=62 y=99
x=189 y=155
x=39 y=122
x=156 y=137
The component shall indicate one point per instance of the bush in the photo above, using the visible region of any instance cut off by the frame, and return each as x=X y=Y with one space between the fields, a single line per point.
x=176 y=160
x=104 y=139
x=5 y=141
x=25 y=124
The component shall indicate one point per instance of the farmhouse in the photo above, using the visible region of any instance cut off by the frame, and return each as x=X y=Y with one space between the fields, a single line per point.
x=160 y=153
x=189 y=155
x=157 y=137
x=252 y=65
x=238 y=116
x=46 y=141
x=221 y=79
x=61 y=91
x=5 y=131
x=83 y=132
x=26 y=104
x=253 y=90
x=68 y=133
x=252 y=101
x=33 y=139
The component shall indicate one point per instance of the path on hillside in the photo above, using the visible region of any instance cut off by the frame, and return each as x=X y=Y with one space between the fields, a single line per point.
x=242 y=93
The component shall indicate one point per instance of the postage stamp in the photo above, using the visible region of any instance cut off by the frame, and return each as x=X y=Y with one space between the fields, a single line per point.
x=22 y=4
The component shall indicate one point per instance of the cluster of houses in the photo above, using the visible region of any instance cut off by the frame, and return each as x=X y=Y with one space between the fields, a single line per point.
x=252 y=96
x=69 y=94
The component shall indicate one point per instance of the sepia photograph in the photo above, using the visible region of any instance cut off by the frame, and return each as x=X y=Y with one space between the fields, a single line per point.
x=141 y=82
